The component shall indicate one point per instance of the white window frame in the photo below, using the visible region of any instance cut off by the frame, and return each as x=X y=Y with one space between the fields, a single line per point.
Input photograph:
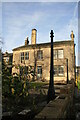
x=58 y=54
x=22 y=56
x=26 y=55
x=39 y=71
x=40 y=54
x=58 y=72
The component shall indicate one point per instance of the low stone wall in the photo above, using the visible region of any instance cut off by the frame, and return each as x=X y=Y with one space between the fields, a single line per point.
x=60 y=106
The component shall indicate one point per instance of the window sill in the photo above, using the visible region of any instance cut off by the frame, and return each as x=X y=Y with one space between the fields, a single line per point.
x=26 y=59
x=59 y=76
x=59 y=59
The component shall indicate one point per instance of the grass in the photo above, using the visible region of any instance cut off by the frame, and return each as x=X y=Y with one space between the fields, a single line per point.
x=33 y=85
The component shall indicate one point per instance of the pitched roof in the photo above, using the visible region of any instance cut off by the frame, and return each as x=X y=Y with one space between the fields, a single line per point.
x=44 y=44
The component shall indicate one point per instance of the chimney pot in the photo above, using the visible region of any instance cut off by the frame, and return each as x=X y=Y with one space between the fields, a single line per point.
x=26 y=41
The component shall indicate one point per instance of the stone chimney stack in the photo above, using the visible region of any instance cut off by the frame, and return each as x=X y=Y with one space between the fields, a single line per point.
x=26 y=41
x=33 y=36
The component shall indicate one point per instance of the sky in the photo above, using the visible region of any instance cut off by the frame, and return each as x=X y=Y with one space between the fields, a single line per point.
x=79 y=33
x=19 y=18
x=39 y=0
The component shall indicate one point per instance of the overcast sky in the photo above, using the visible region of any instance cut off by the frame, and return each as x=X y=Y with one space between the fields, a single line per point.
x=18 y=19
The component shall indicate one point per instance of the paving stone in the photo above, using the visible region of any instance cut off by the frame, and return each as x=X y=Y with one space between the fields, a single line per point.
x=24 y=112
x=47 y=112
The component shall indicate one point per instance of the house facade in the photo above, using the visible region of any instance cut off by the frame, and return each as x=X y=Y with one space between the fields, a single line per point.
x=38 y=56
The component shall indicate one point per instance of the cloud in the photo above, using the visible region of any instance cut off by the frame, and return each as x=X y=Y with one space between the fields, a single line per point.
x=18 y=22
x=17 y=26
x=66 y=31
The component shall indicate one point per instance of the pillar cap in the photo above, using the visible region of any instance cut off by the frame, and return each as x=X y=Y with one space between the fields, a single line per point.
x=34 y=29
x=72 y=35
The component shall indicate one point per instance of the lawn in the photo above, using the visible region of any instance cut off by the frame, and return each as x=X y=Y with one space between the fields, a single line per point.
x=37 y=84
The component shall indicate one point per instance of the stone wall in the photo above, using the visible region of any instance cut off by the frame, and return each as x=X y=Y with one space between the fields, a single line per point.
x=60 y=107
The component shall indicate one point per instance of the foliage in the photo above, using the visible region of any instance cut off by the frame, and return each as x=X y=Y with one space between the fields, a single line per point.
x=15 y=88
x=6 y=80
x=26 y=72
x=19 y=86
x=13 y=85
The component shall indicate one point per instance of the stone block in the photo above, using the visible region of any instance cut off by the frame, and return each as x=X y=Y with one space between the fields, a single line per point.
x=49 y=113
x=64 y=90
x=55 y=109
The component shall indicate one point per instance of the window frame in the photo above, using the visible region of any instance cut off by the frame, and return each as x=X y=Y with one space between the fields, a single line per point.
x=59 y=54
x=40 y=54
x=62 y=73
x=26 y=55
x=39 y=72
x=22 y=56
x=55 y=53
x=57 y=71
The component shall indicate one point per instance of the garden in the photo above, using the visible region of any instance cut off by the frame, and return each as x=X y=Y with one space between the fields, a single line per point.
x=18 y=93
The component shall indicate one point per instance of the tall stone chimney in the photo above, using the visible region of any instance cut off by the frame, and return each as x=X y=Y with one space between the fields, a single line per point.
x=33 y=36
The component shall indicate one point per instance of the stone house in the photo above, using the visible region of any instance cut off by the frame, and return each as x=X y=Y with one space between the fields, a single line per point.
x=38 y=56
x=8 y=58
